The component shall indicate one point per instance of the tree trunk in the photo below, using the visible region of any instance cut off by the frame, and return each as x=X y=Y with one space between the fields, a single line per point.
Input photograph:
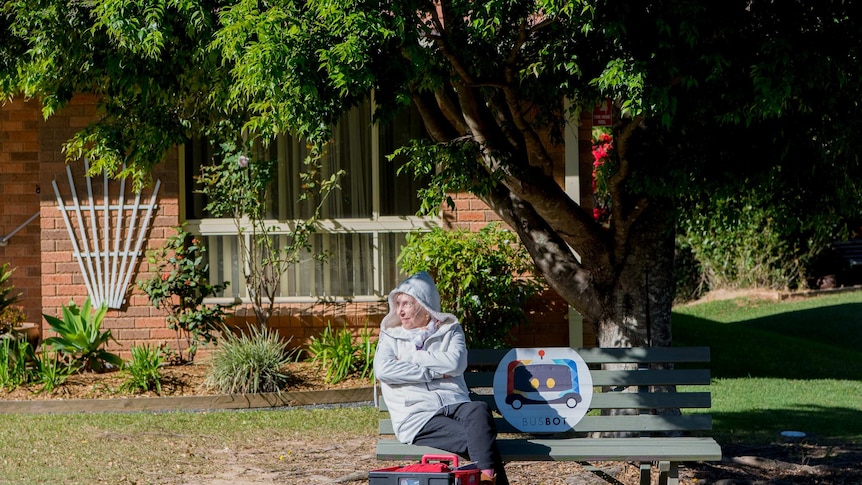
x=637 y=307
x=638 y=313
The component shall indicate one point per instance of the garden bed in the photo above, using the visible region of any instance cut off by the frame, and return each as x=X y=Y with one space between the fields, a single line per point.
x=182 y=388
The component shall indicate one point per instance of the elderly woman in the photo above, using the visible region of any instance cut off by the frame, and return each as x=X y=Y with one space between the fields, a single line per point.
x=420 y=362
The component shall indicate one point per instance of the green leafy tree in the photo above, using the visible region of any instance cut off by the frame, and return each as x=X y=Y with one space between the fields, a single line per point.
x=705 y=94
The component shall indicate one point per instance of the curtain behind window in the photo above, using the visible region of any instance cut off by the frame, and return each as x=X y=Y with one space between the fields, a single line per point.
x=360 y=262
x=399 y=193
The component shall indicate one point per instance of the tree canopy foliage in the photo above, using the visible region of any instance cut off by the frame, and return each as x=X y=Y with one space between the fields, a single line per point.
x=710 y=97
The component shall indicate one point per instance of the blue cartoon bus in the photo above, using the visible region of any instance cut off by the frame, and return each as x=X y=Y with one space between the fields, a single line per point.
x=555 y=381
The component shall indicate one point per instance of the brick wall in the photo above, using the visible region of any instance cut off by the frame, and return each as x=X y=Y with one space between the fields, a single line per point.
x=19 y=200
x=299 y=322
x=62 y=281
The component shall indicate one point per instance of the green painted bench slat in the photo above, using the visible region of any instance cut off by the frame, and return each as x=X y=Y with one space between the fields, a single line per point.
x=681 y=377
x=651 y=355
x=580 y=449
x=591 y=424
x=631 y=400
x=626 y=400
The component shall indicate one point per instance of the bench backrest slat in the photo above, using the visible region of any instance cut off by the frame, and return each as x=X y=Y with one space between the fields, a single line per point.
x=590 y=424
x=651 y=355
x=631 y=400
x=625 y=400
x=646 y=377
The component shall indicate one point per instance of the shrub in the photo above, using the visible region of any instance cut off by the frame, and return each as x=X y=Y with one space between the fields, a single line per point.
x=50 y=371
x=339 y=355
x=80 y=339
x=14 y=371
x=7 y=299
x=482 y=277
x=143 y=371
x=688 y=274
x=761 y=233
x=179 y=286
x=20 y=366
x=11 y=317
x=248 y=362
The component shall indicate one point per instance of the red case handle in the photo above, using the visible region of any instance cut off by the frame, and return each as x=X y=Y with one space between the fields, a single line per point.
x=452 y=458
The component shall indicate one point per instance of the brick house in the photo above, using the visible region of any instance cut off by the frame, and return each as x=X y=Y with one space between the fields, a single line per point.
x=363 y=230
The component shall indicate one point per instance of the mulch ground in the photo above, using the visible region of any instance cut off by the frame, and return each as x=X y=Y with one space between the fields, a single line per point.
x=177 y=380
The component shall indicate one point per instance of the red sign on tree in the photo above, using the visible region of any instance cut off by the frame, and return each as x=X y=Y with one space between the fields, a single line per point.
x=603 y=113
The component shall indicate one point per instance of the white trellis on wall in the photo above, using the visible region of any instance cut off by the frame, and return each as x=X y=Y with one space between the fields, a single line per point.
x=103 y=236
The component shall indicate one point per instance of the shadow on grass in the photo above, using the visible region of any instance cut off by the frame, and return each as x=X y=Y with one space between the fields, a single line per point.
x=818 y=343
x=821 y=424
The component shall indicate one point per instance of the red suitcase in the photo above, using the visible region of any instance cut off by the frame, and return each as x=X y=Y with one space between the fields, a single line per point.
x=427 y=473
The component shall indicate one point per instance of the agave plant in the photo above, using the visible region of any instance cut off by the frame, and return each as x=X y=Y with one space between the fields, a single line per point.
x=80 y=338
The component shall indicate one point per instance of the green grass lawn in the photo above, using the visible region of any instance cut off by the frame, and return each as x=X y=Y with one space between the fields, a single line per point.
x=780 y=366
x=164 y=448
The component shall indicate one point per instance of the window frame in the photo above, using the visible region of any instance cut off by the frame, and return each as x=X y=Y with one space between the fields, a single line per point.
x=376 y=225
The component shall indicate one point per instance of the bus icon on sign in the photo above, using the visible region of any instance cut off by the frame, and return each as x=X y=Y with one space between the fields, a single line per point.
x=542 y=383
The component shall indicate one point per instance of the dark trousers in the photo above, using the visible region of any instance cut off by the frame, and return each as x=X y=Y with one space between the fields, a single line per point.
x=466 y=429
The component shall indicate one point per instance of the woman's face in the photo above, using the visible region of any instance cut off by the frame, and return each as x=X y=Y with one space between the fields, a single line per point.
x=410 y=312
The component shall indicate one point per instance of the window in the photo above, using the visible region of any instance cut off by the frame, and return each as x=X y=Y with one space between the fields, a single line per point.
x=364 y=222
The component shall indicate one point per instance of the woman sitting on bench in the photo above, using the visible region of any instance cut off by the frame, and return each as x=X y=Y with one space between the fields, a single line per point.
x=420 y=362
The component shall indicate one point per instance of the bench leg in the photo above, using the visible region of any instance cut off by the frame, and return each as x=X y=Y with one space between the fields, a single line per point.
x=646 y=469
x=668 y=473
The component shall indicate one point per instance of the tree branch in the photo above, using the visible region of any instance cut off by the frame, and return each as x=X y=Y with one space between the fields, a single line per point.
x=624 y=215
x=439 y=124
x=552 y=256
x=537 y=152
x=450 y=110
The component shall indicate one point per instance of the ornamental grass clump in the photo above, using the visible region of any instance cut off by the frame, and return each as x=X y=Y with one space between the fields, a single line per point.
x=339 y=355
x=21 y=365
x=14 y=370
x=50 y=371
x=144 y=370
x=249 y=362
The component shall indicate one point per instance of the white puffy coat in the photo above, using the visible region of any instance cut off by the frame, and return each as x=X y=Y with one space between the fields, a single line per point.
x=417 y=383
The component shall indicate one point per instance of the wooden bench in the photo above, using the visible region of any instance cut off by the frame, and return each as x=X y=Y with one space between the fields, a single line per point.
x=663 y=440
